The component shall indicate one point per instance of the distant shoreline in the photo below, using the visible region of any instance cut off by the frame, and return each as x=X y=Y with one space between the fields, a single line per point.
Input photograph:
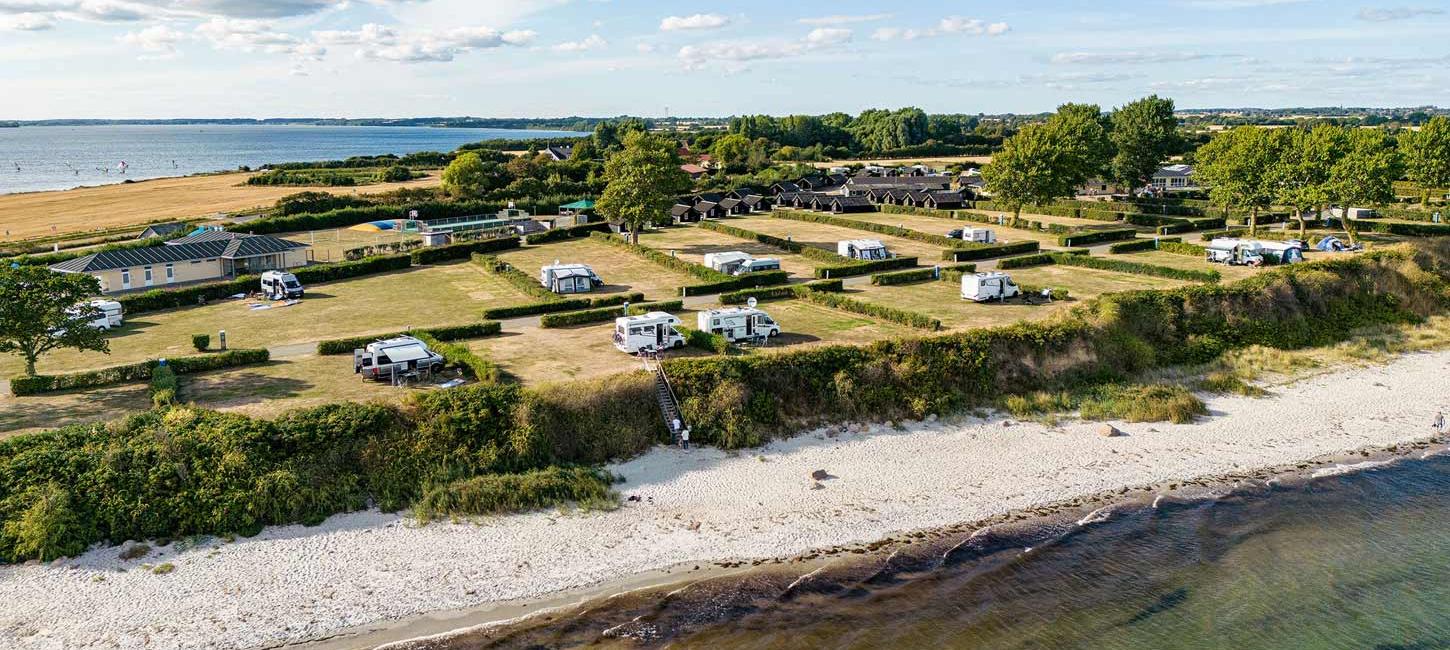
x=567 y=124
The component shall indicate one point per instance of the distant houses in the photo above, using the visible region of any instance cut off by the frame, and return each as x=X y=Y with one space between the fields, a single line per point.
x=1174 y=178
x=837 y=192
x=559 y=152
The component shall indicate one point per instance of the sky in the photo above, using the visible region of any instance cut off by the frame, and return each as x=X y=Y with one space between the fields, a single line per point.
x=549 y=58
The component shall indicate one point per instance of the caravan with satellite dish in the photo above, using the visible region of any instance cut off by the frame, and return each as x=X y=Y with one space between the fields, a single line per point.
x=654 y=331
x=738 y=323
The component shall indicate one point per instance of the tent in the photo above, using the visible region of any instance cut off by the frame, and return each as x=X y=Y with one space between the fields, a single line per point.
x=1330 y=244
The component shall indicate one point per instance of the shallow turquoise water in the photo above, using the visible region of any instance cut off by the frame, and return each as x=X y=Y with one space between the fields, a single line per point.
x=1352 y=561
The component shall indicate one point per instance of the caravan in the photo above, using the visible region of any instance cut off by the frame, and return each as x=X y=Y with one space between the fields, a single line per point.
x=391 y=359
x=569 y=278
x=738 y=263
x=979 y=235
x=109 y=313
x=279 y=285
x=981 y=287
x=863 y=249
x=1226 y=250
x=738 y=324
x=647 y=332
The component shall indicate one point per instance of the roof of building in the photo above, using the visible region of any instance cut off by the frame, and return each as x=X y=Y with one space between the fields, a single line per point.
x=1174 y=170
x=944 y=197
x=236 y=247
x=692 y=169
x=729 y=203
x=899 y=181
x=560 y=151
x=163 y=229
x=706 y=206
x=681 y=209
x=744 y=191
x=787 y=186
x=851 y=201
x=754 y=199
x=583 y=204
x=713 y=197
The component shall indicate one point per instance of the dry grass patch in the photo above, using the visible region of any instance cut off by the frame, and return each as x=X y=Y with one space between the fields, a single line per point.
x=804 y=323
x=825 y=236
x=446 y=294
x=536 y=356
x=332 y=245
x=193 y=197
x=622 y=270
x=692 y=243
x=40 y=412
x=277 y=386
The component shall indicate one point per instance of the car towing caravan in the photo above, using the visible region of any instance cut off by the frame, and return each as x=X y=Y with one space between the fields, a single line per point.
x=738 y=324
x=396 y=358
x=981 y=287
x=569 y=278
x=281 y=285
x=647 y=332
x=863 y=249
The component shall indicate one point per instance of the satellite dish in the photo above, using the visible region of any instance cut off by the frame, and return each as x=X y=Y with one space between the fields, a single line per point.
x=750 y=302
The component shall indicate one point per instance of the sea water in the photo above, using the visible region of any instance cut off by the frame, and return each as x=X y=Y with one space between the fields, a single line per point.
x=1342 y=560
x=34 y=158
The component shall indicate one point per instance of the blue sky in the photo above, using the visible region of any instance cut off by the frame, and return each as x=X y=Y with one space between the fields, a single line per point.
x=364 y=58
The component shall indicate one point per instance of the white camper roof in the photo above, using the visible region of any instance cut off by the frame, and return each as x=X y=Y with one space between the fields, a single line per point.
x=1224 y=243
x=569 y=270
x=647 y=319
x=733 y=311
x=728 y=256
x=989 y=275
x=862 y=244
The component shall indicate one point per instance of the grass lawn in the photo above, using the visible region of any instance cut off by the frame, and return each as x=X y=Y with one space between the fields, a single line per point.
x=692 y=243
x=621 y=270
x=825 y=236
x=940 y=226
x=803 y=323
x=330 y=245
x=536 y=355
x=268 y=390
x=1192 y=263
x=32 y=214
x=943 y=300
x=445 y=294
x=38 y=412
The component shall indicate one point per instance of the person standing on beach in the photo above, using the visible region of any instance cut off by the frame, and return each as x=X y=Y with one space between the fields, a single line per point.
x=684 y=438
x=1439 y=423
x=675 y=428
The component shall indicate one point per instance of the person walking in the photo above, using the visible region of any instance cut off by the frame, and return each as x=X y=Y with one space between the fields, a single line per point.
x=1439 y=423
x=675 y=429
x=684 y=438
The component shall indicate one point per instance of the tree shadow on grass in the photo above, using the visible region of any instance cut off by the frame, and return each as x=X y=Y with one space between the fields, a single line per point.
x=71 y=407
x=228 y=389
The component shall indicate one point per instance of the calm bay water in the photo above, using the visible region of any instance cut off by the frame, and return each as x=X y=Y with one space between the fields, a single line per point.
x=61 y=157
x=1351 y=561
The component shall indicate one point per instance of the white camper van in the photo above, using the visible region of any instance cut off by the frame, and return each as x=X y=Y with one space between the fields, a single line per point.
x=981 y=287
x=1227 y=250
x=652 y=331
x=738 y=324
x=862 y=249
x=979 y=235
x=738 y=263
x=279 y=285
x=389 y=359
x=110 y=314
x=569 y=278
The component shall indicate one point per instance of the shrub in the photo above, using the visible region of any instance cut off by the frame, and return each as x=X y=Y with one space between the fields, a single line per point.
x=560 y=234
x=775 y=293
x=607 y=314
x=201 y=342
x=163 y=386
x=1096 y=236
x=892 y=314
x=460 y=356
x=1408 y=229
x=1117 y=265
x=716 y=343
x=1133 y=245
x=462 y=251
x=440 y=333
x=920 y=275
x=135 y=372
x=559 y=304
x=520 y=280
x=504 y=493
x=990 y=250
x=1183 y=248
x=863 y=267
x=1152 y=403
x=1039 y=259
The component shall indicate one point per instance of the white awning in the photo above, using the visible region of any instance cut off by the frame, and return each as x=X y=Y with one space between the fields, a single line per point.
x=404 y=353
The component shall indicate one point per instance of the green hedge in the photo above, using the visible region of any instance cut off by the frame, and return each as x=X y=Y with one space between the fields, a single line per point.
x=201 y=342
x=920 y=275
x=561 y=234
x=1025 y=261
x=1105 y=264
x=716 y=343
x=434 y=254
x=819 y=254
x=991 y=250
x=892 y=314
x=776 y=293
x=1409 y=229
x=1133 y=245
x=1183 y=248
x=522 y=281
x=558 y=305
x=163 y=386
x=460 y=356
x=441 y=333
x=134 y=372
x=607 y=314
x=1096 y=237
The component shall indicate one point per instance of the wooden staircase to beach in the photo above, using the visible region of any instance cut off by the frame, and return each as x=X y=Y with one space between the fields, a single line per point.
x=665 y=395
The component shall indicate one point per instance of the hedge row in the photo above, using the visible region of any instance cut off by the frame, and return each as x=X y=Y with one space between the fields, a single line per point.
x=715 y=281
x=113 y=375
x=558 y=305
x=509 y=273
x=1116 y=265
x=1096 y=236
x=1025 y=261
x=775 y=293
x=441 y=333
x=607 y=314
x=1406 y=228
x=460 y=356
x=1133 y=245
x=990 y=250
x=920 y=275
x=1182 y=248
x=891 y=314
x=1191 y=224
x=462 y=251
x=561 y=234
x=716 y=343
x=157 y=299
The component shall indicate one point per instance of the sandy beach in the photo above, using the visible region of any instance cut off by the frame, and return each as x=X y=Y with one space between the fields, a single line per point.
x=295 y=583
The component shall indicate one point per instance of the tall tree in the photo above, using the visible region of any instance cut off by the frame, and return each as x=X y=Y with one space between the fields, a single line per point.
x=732 y=151
x=1144 y=133
x=41 y=310
x=1427 y=156
x=644 y=179
x=1364 y=175
x=1029 y=168
x=1082 y=133
x=1237 y=166
x=466 y=177
x=1300 y=178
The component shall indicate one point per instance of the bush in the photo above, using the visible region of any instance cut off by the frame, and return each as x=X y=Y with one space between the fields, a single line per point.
x=1096 y=236
x=1408 y=229
x=1117 y=265
x=460 y=356
x=1183 y=248
x=607 y=314
x=201 y=342
x=920 y=275
x=1025 y=261
x=990 y=251
x=134 y=372
x=775 y=293
x=716 y=343
x=1133 y=245
x=561 y=234
x=434 y=254
x=395 y=174
x=532 y=490
x=441 y=333
x=558 y=305
x=863 y=267
x=892 y=314
x=163 y=386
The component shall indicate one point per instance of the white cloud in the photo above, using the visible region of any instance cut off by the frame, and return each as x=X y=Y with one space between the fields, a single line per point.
x=822 y=36
x=697 y=21
x=946 y=26
x=593 y=42
x=844 y=19
x=1127 y=58
x=1397 y=13
x=26 y=22
x=371 y=33
x=734 y=55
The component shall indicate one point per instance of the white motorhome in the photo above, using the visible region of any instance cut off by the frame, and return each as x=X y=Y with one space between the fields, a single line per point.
x=981 y=287
x=738 y=323
x=279 y=285
x=646 y=332
x=569 y=278
x=109 y=316
x=979 y=235
x=389 y=359
x=863 y=249
x=738 y=263
x=1228 y=250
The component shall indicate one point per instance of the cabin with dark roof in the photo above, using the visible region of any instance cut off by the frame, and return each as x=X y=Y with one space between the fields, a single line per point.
x=211 y=255
x=860 y=184
x=784 y=187
x=795 y=199
x=559 y=152
x=757 y=202
x=943 y=201
x=684 y=213
x=709 y=210
x=712 y=197
x=845 y=204
x=744 y=191
x=734 y=206
x=163 y=230
x=813 y=183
